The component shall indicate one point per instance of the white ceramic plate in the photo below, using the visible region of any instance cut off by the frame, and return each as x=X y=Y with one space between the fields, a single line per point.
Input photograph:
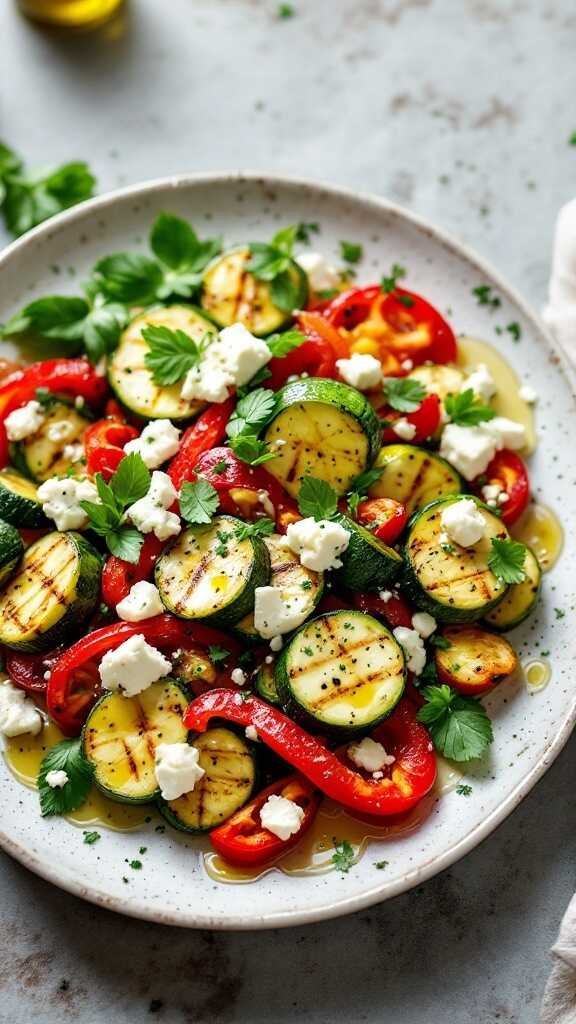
x=173 y=887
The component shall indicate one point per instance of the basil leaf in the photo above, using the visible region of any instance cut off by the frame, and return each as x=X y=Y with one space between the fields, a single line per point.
x=317 y=499
x=129 y=277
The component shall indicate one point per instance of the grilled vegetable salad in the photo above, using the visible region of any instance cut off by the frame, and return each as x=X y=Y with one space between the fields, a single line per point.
x=253 y=509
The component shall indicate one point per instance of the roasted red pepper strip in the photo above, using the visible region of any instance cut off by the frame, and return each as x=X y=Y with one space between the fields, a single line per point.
x=104 y=445
x=208 y=431
x=406 y=312
x=426 y=420
x=74 y=683
x=352 y=307
x=242 y=840
x=28 y=671
x=411 y=776
x=508 y=470
x=395 y=611
x=235 y=480
x=119 y=576
x=384 y=517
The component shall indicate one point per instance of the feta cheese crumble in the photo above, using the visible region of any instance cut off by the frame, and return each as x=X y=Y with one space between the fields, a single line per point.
x=133 y=667
x=318 y=544
x=74 y=452
x=413 y=646
x=150 y=514
x=481 y=382
x=60 y=430
x=385 y=595
x=142 y=602
x=528 y=394
x=24 y=422
x=159 y=441
x=238 y=677
x=471 y=449
x=57 y=779
x=282 y=817
x=369 y=755
x=61 y=501
x=177 y=769
x=491 y=494
x=322 y=276
x=251 y=734
x=424 y=624
x=275 y=614
x=276 y=643
x=361 y=371
x=506 y=433
x=463 y=522
x=404 y=429
x=229 y=361
x=18 y=714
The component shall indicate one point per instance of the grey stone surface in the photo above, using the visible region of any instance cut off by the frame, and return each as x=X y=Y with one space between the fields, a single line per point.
x=461 y=110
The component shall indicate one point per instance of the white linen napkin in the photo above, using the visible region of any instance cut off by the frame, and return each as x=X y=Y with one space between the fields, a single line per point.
x=559 y=1006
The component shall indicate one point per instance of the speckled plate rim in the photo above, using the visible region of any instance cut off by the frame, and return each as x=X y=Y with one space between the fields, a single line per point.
x=378 y=893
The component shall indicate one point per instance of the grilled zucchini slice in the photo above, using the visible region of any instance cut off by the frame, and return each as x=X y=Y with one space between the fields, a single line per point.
x=54 y=590
x=520 y=600
x=328 y=430
x=367 y=563
x=11 y=549
x=413 y=476
x=208 y=574
x=19 y=502
x=229 y=776
x=231 y=294
x=265 y=684
x=475 y=660
x=121 y=734
x=344 y=670
x=452 y=583
x=132 y=381
x=300 y=587
x=42 y=456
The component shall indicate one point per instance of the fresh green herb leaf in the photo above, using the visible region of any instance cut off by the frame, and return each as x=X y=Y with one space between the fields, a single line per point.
x=459 y=726
x=217 y=653
x=91 y=837
x=198 y=502
x=572 y=139
x=171 y=354
x=252 y=413
x=485 y=297
x=466 y=409
x=28 y=199
x=559 y=613
x=128 y=484
x=128 y=277
x=221 y=548
x=125 y=543
x=390 y=283
x=281 y=344
x=273 y=263
x=506 y=560
x=514 y=330
x=72 y=321
x=343 y=858
x=259 y=528
x=262 y=375
x=284 y=291
x=359 y=488
x=317 y=499
x=441 y=642
x=351 y=252
x=175 y=243
x=305 y=229
x=136 y=865
x=327 y=293
x=406 y=300
x=131 y=481
x=220 y=467
x=66 y=756
x=286 y=11
x=381 y=864
x=404 y=393
x=428 y=676
x=250 y=449
x=463 y=790
x=306 y=585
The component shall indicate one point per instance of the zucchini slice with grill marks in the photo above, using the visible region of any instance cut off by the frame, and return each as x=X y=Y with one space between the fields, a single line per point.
x=19 y=501
x=231 y=294
x=367 y=563
x=520 y=599
x=132 y=381
x=265 y=684
x=53 y=591
x=327 y=430
x=43 y=455
x=344 y=670
x=229 y=776
x=121 y=734
x=208 y=574
x=452 y=583
x=11 y=549
x=413 y=476
x=475 y=660
x=301 y=588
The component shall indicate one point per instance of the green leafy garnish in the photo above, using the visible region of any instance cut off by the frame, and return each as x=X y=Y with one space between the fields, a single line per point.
x=359 y=488
x=281 y=344
x=305 y=229
x=217 y=653
x=343 y=858
x=572 y=139
x=171 y=354
x=252 y=413
x=390 y=283
x=198 y=502
x=506 y=560
x=259 y=528
x=128 y=484
x=466 y=409
x=441 y=642
x=273 y=263
x=351 y=252
x=93 y=322
x=463 y=790
x=317 y=499
x=514 y=330
x=129 y=277
x=559 y=613
x=459 y=726
x=91 y=837
x=485 y=297
x=286 y=11
x=136 y=865
x=66 y=756
x=403 y=393
x=27 y=198
x=381 y=864
x=249 y=448
x=220 y=467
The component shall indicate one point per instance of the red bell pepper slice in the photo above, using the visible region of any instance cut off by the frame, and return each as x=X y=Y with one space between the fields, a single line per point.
x=352 y=307
x=104 y=445
x=411 y=776
x=230 y=477
x=208 y=431
x=243 y=841
x=74 y=684
x=384 y=517
x=509 y=471
x=395 y=611
x=119 y=576
x=426 y=418
x=27 y=671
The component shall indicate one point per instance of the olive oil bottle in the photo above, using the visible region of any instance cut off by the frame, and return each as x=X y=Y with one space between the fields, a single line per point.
x=72 y=14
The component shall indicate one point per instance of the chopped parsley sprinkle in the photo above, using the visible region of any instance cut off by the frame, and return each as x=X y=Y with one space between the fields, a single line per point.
x=514 y=330
x=91 y=837
x=286 y=11
x=559 y=613
x=136 y=865
x=484 y=296
x=572 y=139
x=380 y=864
x=463 y=790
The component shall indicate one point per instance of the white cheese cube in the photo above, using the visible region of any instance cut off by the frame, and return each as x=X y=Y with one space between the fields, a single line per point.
x=177 y=769
x=25 y=421
x=404 y=429
x=481 y=382
x=322 y=276
x=318 y=544
x=468 y=449
x=282 y=817
x=413 y=646
x=361 y=371
x=150 y=514
x=369 y=755
x=57 y=779
x=133 y=667
x=159 y=441
x=424 y=624
x=275 y=613
x=18 y=714
x=61 y=501
x=463 y=522
x=142 y=602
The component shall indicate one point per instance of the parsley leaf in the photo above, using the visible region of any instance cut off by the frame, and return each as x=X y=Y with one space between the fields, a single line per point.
x=466 y=409
x=463 y=790
x=305 y=229
x=198 y=501
x=441 y=642
x=351 y=252
x=286 y=11
x=514 y=330
x=249 y=448
x=125 y=543
x=459 y=726
x=252 y=413
x=281 y=344
x=404 y=393
x=128 y=484
x=217 y=653
x=91 y=837
x=390 y=283
x=343 y=858
x=506 y=560
x=273 y=263
x=360 y=486
x=29 y=199
x=131 y=480
x=259 y=528
x=175 y=243
x=66 y=756
x=484 y=296
x=572 y=139
x=317 y=499
x=171 y=354
x=128 y=277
